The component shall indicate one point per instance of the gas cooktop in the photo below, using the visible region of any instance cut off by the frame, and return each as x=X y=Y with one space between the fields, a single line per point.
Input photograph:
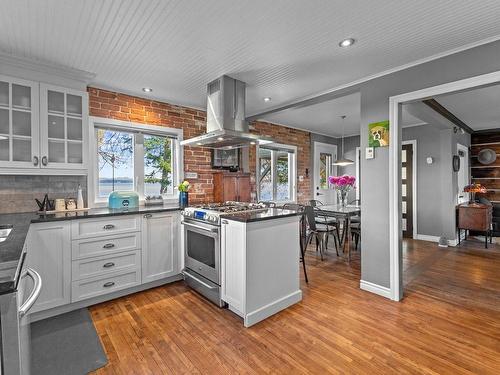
x=211 y=212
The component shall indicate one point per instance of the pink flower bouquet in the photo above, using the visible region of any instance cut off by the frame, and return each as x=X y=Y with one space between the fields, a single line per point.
x=343 y=184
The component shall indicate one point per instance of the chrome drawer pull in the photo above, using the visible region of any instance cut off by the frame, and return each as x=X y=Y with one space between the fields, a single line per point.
x=108 y=246
x=148 y=216
x=109 y=284
x=109 y=265
x=108 y=226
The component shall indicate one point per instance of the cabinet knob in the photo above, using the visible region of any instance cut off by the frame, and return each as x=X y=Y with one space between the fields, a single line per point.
x=35 y=161
x=108 y=227
x=109 y=284
x=45 y=160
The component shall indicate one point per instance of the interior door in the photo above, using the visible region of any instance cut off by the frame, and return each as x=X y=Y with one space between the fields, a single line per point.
x=324 y=156
x=407 y=189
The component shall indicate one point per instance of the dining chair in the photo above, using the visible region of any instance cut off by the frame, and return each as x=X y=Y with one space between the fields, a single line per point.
x=302 y=233
x=357 y=218
x=318 y=230
x=325 y=219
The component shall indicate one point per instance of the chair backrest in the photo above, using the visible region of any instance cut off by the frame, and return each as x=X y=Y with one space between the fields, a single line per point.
x=310 y=217
x=315 y=203
x=357 y=202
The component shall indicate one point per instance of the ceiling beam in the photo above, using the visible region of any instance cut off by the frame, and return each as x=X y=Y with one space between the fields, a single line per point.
x=439 y=108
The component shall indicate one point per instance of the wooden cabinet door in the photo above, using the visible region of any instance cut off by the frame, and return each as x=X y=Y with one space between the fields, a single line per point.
x=159 y=246
x=244 y=189
x=49 y=253
x=230 y=188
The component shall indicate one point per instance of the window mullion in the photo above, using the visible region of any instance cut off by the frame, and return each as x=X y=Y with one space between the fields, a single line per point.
x=274 y=181
x=139 y=164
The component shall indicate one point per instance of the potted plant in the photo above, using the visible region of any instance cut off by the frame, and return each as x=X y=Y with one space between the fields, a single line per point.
x=184 y=188
x=343 y=184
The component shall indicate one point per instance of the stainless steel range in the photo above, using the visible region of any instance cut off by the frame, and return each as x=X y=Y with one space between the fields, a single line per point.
x=202 y=250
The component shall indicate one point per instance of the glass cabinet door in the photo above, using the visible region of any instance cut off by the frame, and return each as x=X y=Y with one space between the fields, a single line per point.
x=64 y=127
x=19 y=131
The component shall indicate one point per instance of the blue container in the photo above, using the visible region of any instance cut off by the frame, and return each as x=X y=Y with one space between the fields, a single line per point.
x=123 y=199
x=183 y=199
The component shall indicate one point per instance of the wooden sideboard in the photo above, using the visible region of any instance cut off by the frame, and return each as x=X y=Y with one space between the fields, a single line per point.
x=476 y=217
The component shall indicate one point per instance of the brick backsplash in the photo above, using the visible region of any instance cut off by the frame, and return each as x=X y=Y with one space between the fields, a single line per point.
x=103 y=103
x=18 y=193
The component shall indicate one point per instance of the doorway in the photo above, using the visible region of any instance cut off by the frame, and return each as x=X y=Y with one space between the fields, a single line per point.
x=324 y=156
x=395 y=118
x=463 y=173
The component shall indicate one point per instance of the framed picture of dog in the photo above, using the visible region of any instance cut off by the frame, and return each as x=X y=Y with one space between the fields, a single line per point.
x=378 y=134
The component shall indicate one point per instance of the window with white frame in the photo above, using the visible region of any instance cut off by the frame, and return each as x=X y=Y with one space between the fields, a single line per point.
x=134 y=157
x=276 y=170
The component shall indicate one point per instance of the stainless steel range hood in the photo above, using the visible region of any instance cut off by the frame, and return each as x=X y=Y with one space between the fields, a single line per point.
x=226 y=124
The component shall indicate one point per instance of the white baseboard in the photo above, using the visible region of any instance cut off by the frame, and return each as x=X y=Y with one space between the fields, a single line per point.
x=425 y=237
x=272 y=308
x=375 y=288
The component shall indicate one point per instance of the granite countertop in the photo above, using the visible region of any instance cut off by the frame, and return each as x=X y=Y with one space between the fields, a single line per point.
x=11 y=250
x=268 y=214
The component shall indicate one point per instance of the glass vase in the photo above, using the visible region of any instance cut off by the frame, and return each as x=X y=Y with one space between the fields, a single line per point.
x=342 y=197
x=183 y=199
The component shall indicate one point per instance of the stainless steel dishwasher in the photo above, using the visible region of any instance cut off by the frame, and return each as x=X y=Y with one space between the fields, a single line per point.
x=15 y=322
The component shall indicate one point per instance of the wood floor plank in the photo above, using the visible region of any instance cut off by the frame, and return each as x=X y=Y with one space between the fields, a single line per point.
x=448 y=323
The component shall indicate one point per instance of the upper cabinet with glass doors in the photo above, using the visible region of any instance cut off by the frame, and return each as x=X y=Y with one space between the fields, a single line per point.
x=63 y=127
x=42 y=127
x=19 y=128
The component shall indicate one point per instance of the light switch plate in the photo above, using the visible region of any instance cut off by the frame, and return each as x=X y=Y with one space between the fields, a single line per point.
x=301 y=178
x=370 y=153
x=191 y=175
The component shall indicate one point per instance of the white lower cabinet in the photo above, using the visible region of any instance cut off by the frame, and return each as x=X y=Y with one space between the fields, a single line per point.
x=49 y=253
x=85 y=258
x=160 y=255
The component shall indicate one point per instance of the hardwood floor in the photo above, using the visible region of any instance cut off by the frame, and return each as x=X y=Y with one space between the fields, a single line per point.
x=449 y=323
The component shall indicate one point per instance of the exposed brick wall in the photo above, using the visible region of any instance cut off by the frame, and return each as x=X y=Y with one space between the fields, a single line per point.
x=289 y=136
x=107 y=104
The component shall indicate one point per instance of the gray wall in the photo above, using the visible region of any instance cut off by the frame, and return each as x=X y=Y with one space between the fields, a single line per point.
x=437 y=184
x=375 y=262
x=18 y=193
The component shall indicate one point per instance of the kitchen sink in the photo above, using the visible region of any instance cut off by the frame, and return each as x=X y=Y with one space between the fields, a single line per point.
x=5 y=230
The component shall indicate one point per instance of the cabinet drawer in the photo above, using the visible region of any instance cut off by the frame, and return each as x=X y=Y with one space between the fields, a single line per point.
x=92 y=267
x=87 y=228
x=104 y=246
x=84 y=289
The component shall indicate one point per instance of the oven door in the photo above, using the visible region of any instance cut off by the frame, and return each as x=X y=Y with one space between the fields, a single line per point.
x=202 y=249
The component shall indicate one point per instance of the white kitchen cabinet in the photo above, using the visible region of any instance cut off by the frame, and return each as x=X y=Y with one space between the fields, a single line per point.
x=160 y=256
x=19 y=128
x=63 y=128
x=49 y=253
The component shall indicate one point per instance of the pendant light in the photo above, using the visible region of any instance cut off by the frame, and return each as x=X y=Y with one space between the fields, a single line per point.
x=343 y=161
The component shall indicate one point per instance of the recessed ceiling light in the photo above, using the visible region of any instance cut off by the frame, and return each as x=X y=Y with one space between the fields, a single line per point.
x=267 y=99
x=199 y=143
x=252 y=143
x=347 y=42
x=147 y=89
x=220 y=139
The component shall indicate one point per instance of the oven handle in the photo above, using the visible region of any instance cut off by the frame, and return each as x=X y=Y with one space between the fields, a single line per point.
x=215 y=230
x=37 y=288
x=187 y=274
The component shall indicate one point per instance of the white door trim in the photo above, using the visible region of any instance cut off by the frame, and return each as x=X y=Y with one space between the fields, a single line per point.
x=316 y=164
x=414 y=182
x=358 y=170
x=395 y=104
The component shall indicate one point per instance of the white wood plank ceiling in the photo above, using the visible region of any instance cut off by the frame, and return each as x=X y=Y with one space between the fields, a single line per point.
x=283 y=49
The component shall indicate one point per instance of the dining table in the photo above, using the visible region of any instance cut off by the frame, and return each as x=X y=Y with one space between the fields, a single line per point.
x=344 y=214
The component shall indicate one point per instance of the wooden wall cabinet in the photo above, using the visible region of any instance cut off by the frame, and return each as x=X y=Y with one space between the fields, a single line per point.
x=232 y=187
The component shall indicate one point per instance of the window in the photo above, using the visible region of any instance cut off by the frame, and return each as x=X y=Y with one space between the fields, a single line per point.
x=133 y=157
x=276 y=173
x=325 y=170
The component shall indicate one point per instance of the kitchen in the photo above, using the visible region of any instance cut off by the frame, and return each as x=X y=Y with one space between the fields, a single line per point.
x=154 y=179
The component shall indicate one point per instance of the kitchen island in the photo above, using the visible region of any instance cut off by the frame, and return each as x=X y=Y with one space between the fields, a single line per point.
x=260 y=263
